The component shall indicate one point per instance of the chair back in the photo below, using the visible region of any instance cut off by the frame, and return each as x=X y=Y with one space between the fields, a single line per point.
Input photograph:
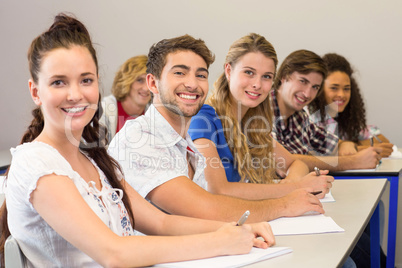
x=14 y=258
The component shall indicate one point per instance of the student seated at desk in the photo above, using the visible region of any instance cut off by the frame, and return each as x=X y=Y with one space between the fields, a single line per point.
x=339 y=107
x=130 y=95
x=67 y=204
x=164 y=165
x=297 y=83
x=233 y=131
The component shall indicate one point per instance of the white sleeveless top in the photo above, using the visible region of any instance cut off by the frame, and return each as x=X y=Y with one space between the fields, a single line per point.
x=42 y=246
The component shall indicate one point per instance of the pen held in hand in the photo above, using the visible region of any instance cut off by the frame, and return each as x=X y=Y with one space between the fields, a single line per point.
x=377 y=138
x=317 y=171
x=243 y=218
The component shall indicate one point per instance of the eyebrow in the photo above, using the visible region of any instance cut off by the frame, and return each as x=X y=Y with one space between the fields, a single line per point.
x=185 y=67
x=253 y=69
x=58 y=76
x=88 y=73
x=308 y=81
x=202 y=69
x=335 y=84
x=248 y=67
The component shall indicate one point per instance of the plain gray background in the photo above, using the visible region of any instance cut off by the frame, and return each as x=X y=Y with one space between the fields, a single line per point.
x=367 y=32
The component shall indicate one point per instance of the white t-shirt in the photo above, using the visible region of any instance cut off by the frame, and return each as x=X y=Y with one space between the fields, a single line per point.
x=42 y=245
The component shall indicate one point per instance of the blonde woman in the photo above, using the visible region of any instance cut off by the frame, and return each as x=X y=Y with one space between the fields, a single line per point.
x=233 y=130
x=130 y=95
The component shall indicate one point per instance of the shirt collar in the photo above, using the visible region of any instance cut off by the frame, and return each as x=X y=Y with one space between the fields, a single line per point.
x=164 y=131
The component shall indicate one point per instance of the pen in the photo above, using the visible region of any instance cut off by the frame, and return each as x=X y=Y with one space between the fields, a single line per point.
x=317 y=171
x=316 y=193
x=243 y=218
x=377 y=138
x=372 y=140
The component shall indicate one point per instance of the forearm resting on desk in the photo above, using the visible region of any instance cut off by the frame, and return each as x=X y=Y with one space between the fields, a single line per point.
x=367 y=158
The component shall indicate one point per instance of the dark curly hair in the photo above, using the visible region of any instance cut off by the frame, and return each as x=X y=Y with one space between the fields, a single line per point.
x=354 y=111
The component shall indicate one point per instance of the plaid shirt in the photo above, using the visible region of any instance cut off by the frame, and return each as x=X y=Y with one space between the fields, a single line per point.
x=301 y=136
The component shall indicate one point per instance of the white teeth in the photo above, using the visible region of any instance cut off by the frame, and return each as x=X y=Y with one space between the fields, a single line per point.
x=74 y=109
x=302 y=100
x=188 y=97
x=144 y=94
x=253 y=94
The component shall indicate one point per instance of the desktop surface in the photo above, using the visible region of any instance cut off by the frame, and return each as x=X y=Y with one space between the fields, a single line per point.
x=356 y=201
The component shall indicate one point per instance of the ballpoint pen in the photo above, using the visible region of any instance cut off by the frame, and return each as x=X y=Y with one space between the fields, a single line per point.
x=377 y=138
x=317 y=171
x=372 y=140
x=243 y=218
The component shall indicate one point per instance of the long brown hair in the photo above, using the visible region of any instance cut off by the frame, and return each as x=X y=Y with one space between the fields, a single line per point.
x=354 y=111
x=65 y=32
x=257 y=145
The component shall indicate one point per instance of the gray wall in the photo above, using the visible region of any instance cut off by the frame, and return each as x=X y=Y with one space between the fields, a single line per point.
x=367 y=32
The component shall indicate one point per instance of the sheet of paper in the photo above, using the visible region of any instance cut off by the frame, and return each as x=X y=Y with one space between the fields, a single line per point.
x=328 y=198
x=255 y=255
x=310 y=224
x=361 y=170
x=396 y=153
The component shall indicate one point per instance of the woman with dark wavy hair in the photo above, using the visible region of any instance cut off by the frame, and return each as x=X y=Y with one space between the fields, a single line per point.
x=339 y=107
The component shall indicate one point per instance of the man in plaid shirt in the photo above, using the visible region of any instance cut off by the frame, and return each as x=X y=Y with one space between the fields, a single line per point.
x=297 y=83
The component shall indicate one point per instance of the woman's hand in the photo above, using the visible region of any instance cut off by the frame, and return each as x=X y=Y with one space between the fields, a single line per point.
x=240 y=239
x=264 y=231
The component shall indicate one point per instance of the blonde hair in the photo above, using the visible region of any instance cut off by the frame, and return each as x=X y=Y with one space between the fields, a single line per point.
x=126 y=76
x=257 y=145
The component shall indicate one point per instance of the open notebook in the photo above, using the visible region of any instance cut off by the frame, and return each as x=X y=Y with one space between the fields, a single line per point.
x=255 y=255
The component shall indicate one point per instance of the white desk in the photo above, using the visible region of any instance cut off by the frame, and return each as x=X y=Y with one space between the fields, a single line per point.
x=392 y=170
x=356 y=201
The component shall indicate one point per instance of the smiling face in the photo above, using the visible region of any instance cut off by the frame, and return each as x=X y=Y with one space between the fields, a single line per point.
x=139 y=93
x=250 y=79
x=67 y=89
x=297 y=91
x=183 y=85
x=337 y=91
